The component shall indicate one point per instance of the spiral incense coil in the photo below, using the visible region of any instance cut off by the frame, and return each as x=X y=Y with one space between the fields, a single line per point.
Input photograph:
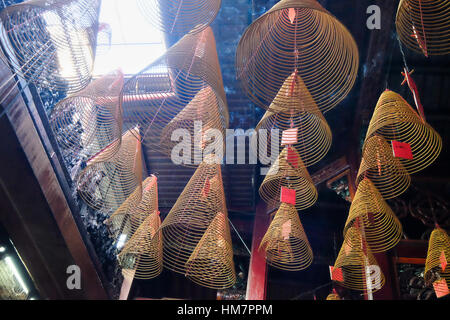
x=379 y=165
x=125 y=222
x=285 y=174
x=52 y=43
x=201 y=200
x=297 y=37
x=422 y=25
x=285 y=242
x=96 y=112
x=181 y=16
x=142 y=255
x=356 y=261
x=107 y=184
x=183 y=82
x=437 y=256
x=333 y=296
x=382 y=228
x=314 y=134
x=395 y=120
x=211 y=263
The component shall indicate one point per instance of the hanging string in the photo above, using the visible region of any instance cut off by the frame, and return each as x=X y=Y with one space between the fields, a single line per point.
x=239 y=236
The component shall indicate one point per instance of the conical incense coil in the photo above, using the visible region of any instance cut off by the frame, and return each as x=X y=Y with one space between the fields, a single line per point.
x=285 y=242
x=97 y=113
x=359 y=268
x=211 y=263
x=438 y=256
x=292 y=175
x=396 y=120
x=180 y=16
x=314 y=134
x=199 y=118
x=297 y=36
x=202 y=198
x=107 y=184
x=382 y=228
x=422 y=25
x=189 y=70
x=333 y=296
x=142 y=255
x=379 y=165
x=124 y=222
x=52 y=43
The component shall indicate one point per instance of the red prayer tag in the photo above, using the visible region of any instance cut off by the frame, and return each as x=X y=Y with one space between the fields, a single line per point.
x=206 y=188
x=336 y=274
x=440 y=288
x=289 y=137
x=443 y=260
x=402 y=150
x=292 y=158
x=292 y=15
x=288 y=195
x=371 y=218
x=286 y=229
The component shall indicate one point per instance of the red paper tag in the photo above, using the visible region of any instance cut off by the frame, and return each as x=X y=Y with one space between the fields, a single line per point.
x=206 y=188
x=288 y=195
x=292 y=157
x=286 y=229
x=371 y=218
x=443 y=259
x=289 y=137
x=292 y=15
x=440 y=288
x=402 y=150
x=347 y=248
x=336 y=274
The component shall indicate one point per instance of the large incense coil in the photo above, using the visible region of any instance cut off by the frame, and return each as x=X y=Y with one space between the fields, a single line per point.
x=197 y=206
x=124 y=222
x=438 y=252
x=354 y=257
x=211 y=263
x=379 y=165
x=97 y=113
x=180 y=16
x=283 y=174
x=52 y=43
x=395 y=119
x=314 y=134
x=189 y=70
x=107 y=184
x=142 y=255
x=285 y=242
x=333 y=296
x=382 y=229
x=422 y=25
x=315 y=45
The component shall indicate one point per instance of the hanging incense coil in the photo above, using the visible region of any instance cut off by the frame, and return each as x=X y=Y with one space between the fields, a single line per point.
x=333 y=296
x=142 y=255
x=314 y=134
x=297 y=37
x=211 y=263
x=354 y=260
x=201 y=200
x=51 y=43
x=285 y=242
x=422 y=26
x=182 y=83
x=382 y=229
x=96 y=112
x=290 y=174
x=395 y=120
x=379 y=165
x=107 y=184
x=124 y=222
x=438 y=256
x=180 y=16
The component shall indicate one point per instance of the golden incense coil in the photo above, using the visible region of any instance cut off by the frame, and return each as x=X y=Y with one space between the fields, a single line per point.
x=333 y=296
x=181 y=16
x=285 y=174
x=142 y=255
x=357 y=263
x=379 y=165
x=97 y=113
x=382 y=228
x=422 y=25
x=51 y=43
x=107 y=184
x=438 y=255
x=183 y=82
x=201 y=200
x=211 y=263
x=285 y=242
x=395 y=120
x=297 y=37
